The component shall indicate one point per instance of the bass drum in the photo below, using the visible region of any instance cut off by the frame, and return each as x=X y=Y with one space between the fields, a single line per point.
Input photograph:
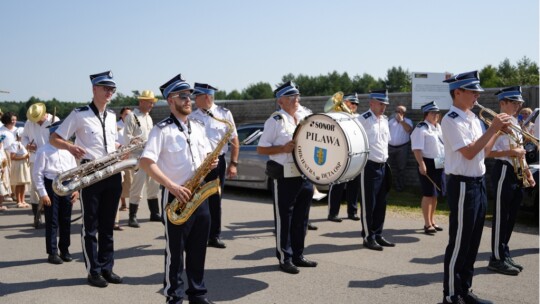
x=331 y=148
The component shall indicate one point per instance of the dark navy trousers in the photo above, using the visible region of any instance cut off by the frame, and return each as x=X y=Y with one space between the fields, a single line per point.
x=467 y=200
x=215 y=200
x=507 y=201
x=292 y=200
x=374 y=195
x=57 y=221
x=99 y=204
x=191 y=237
x=335 y=197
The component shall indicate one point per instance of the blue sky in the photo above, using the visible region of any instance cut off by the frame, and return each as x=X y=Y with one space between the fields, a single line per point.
x=48 y=48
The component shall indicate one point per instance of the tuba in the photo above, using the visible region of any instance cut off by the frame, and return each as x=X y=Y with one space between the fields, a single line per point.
x=177 y=212
x=96 y=170
x=336 y=104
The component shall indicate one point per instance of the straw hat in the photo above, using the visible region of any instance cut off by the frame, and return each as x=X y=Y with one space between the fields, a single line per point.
x=147 y=95
x=36 y=112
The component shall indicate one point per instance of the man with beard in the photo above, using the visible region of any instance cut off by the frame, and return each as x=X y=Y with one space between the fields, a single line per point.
x=175 y=149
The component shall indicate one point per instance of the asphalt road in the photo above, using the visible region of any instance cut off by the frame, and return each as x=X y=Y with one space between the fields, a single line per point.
x=247 y=270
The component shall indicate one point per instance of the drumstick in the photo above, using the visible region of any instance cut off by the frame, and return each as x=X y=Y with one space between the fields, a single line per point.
x=432 y=182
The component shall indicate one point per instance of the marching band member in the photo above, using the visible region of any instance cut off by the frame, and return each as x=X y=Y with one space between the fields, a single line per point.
x=465 y=148
x=95 y=129
x=292 y=193
x=49 y=162
x=428 y=149
x=138 y=125
x=215 y=130
x=376 y=178
x=399 y=144
x=176 y=147
x=509 y=195
x=335 y=194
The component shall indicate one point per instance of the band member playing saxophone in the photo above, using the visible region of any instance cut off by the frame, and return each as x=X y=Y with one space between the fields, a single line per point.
x=175 y=150
x=95 y=129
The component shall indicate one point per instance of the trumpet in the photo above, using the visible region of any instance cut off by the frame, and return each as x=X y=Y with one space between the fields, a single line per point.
x=336 y=104
x=517 y=130
x=517 y=162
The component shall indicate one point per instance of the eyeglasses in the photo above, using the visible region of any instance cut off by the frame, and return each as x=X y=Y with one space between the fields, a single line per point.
x=109 y=89
x=293 y=97
x=183 y=96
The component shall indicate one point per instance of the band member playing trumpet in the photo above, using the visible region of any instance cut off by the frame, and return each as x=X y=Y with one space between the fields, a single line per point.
x=176 y=148
x=509 y=174
x=465 y=147
x=292 y=193
x=95 y=129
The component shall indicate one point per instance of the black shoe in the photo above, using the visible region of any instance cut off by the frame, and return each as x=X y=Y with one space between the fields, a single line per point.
x=111 y=277
x=288 y=267
x=54 y=259
x=312 y=227
x=502 y=267
x=216 y=243
x=353 y=217
x=430 y=230
x=97 y=280
x=438 y=228
x=471 y=298
x=200 y=301
x=383 y=242
x=303 y=262
x=37 y=221
x=66 y=257
x=511 y=262
x=333 y=218
x=155 y=217
x=372 y=244
x=457 y=300
x=132 y=221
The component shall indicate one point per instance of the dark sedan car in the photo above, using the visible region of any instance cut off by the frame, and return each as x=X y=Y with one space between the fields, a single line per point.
x=251 y=165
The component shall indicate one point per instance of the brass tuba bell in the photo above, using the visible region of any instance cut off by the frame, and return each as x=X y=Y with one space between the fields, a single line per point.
x=336 y=104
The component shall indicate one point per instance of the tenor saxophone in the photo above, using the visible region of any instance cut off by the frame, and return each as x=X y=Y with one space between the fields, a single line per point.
x=177 y=212
x=96 y=170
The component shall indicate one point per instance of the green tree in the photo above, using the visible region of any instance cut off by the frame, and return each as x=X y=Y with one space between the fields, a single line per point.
x=527 y=72
x=398 y=80
x=506 y=73
x=489 y=77
x=260 y=90
x=234 y=95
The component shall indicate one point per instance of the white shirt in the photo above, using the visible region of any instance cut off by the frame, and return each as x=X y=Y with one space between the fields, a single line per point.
x=137 y=124
x=215 y=130
x=428 y=139
x=459 y=130
x=378 y=135
x=279 y=130
x=168 y=147
x=9 y=138
x=50 y=162
x=86 y=126
x=398 y=135
x=120 y=129
x=504 y=141
x=37 y=134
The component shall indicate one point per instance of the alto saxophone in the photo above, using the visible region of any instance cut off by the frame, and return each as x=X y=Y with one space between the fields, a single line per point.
x=178 y=213
x=96 y=170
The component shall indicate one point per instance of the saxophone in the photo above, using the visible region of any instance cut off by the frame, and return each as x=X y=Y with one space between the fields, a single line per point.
x=93 y=171
x=178 y=213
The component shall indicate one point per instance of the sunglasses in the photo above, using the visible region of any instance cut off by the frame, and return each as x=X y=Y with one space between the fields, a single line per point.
x=183 y=96
x=109 y=89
